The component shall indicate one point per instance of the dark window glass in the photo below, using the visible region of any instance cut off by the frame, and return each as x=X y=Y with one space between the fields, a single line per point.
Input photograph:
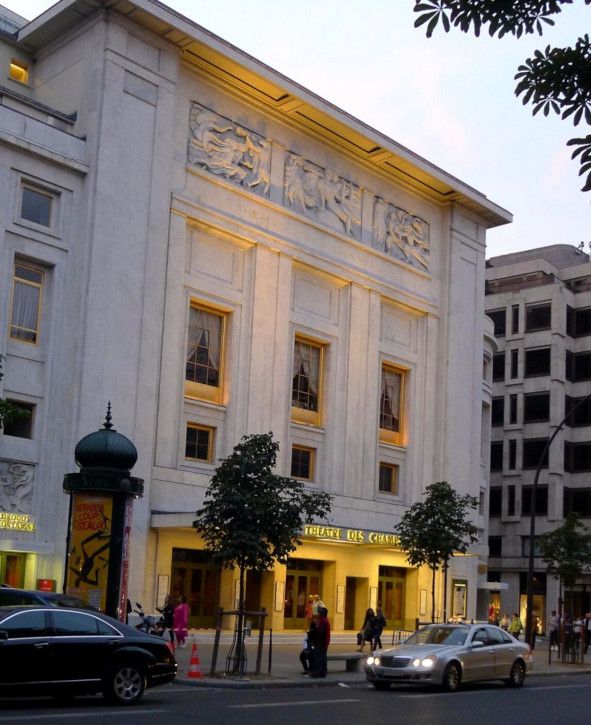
x=582 y=366
x=496 y=456
x=499 y=366
x=510 y=500
x=514 y=364
x=577 y=500
x=538 y=317
x=74 y=624
x=198 y=443
x=512 y=409
x=25 y=624
x=499 y=319
x=495 y=545
x=388 y=482
x=536 y=407
x=578 y=322
x=577 y=457
x=532 y=450
x=36 y=206
x=498 y=411
x=22 y=425
x=579 y=416
x=570 y=321
x=495 y=501
x=301 y=463
x=537 y=362
x=541 y=500
x=512 y=454
x=525 y=552
x=515 y=319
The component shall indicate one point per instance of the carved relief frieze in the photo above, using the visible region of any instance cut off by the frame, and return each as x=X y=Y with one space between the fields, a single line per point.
x=229 y=150
x=16 y=487
x=400 y=234
x=323 y=195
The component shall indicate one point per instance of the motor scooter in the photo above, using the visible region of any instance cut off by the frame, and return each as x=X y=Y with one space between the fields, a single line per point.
x=149 y=623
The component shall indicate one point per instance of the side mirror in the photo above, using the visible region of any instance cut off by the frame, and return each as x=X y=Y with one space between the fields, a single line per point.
x=476 y=644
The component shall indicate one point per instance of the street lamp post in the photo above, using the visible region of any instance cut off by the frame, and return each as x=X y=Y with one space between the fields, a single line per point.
x=532 y=523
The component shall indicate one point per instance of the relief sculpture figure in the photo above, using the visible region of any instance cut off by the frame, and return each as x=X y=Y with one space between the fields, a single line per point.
x=322 y=194
x=16 y=487
x=228 y=150
x=400 y=234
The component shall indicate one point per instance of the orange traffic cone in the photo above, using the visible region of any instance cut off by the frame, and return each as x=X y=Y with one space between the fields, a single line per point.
x=194 y=666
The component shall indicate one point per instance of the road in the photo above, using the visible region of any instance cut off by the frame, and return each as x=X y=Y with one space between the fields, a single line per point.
x=548 y=700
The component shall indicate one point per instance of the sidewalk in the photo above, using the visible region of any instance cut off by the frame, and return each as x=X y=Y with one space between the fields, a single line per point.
x=286 y=669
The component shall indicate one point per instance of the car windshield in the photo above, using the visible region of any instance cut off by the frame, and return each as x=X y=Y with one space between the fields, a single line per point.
x=439 y=635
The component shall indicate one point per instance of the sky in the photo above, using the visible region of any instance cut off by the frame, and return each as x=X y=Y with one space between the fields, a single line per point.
x=449 y=98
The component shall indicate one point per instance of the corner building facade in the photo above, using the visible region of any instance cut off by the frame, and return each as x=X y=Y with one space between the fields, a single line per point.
x=240 y=257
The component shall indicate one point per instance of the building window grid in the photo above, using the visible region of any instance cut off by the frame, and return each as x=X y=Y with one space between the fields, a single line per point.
x=513 y=409
x=391 y=404
x=36 y=206
x=25 y=314
x=303 y=462
x=515 y=319
x=514 y=364
x=388 y=478
x=21 y=426
x=199 y=443
x=204 y=347
x=305 y=393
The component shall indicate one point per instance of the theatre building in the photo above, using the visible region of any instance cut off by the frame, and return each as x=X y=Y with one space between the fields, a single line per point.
x=219 y=252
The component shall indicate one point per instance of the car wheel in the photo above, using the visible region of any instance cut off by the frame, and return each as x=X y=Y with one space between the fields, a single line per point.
x=125 y=684
x=517 y=674
x=381 y=685
x=452 y=677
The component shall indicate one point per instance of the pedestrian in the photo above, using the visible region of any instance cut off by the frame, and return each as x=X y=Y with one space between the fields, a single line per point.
x=167 y=612
x=587 y=631
x=321 y=642
x=309 y=614
x=515 y=625
x=379 y=624
x=367 y=629
x=307 y=653
x=317 y=605
x=181 y=622
x=553 y=624
x=534 y=630
x=504 y=623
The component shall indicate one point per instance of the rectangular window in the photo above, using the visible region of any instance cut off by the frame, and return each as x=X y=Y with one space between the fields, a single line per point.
x=496 y=456
x=205 y=352
x=578 y=366
x=495 y=545
x=514 y=364
x=498 y=412
x=515 y=319
x=537 y=362
x=538 y=317
x=577 y=457
x=577 y=500
x=510 y=500
x=302 y=462
x=21 y=426
x=532 y=450
x=525 y=547
x=541 y=500
x=582 y=414
x=578 y=322
x=391 y=405
x=495 y=501
x=36 y=206
x=499 y=367
x=512 y=463
x=536 y=407
x=499 y=319
x=19 y=71
x=199 y=443
x=388 y=480
x=27 y=286
x=306 y=388
x=512 y=409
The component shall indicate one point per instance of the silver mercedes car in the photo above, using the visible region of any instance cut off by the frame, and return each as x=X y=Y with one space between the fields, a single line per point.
x=448 y=654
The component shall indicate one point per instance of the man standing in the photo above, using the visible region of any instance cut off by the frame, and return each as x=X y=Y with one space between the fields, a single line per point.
x=515 y=625
x=321 y=642
x=553 y=623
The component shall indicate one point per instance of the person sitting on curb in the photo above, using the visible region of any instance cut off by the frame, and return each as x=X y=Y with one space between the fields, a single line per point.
x=307 y=654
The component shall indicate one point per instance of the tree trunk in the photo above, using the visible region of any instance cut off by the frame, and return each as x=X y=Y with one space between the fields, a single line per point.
x=445 y=568
x=432 y=595
x=239 y=663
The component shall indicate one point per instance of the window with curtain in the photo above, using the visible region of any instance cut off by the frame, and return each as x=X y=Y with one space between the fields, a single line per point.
x=391 y=404
x=305 y=389
x=204 y=353
x=25 y=313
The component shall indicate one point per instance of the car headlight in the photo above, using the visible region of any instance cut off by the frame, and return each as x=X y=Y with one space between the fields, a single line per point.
x=373 y=661
x=426 y=662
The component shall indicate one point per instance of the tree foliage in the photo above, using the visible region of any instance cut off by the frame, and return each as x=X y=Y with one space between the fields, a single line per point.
x=8 y=411
x=555 y=80
x=435 y=529
x=566 y=551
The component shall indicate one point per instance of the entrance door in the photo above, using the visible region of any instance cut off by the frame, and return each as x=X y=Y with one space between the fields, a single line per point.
x=304 y=577
x=195 y=576
x=252 y=597
x=12 y=569
x=391 y=595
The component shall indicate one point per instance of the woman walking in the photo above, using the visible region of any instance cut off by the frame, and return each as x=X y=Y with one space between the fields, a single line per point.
x=181 y=622
x=367 y=629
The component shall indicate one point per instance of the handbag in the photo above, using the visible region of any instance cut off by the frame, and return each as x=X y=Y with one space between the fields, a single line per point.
x=359 y=639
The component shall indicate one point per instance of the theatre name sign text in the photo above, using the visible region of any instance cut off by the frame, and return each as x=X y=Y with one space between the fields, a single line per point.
x=357 y=536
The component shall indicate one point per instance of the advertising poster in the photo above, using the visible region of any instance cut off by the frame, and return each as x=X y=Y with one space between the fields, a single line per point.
x=90 y=540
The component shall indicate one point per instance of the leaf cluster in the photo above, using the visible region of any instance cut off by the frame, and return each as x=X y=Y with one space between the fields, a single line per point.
x=435 y=529
x=252 y=517
x=566 y=551
x=556 y=80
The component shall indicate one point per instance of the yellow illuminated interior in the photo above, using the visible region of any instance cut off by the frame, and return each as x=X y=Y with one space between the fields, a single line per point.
x=19 y=71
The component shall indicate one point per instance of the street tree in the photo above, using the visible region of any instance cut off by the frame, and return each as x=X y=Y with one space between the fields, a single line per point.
x=253 y=517
x=435 y=529
x=8 y=411
x=555 y=80
x=566 y=551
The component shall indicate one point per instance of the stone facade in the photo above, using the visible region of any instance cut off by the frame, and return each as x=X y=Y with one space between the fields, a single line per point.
x=187 y=180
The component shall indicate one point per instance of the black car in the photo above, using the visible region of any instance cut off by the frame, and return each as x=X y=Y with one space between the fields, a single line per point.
x=10 y=597
x=66 y=652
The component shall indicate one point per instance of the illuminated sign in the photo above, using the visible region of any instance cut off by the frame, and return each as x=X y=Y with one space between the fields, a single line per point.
x=16 y=522
x=358 y=536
